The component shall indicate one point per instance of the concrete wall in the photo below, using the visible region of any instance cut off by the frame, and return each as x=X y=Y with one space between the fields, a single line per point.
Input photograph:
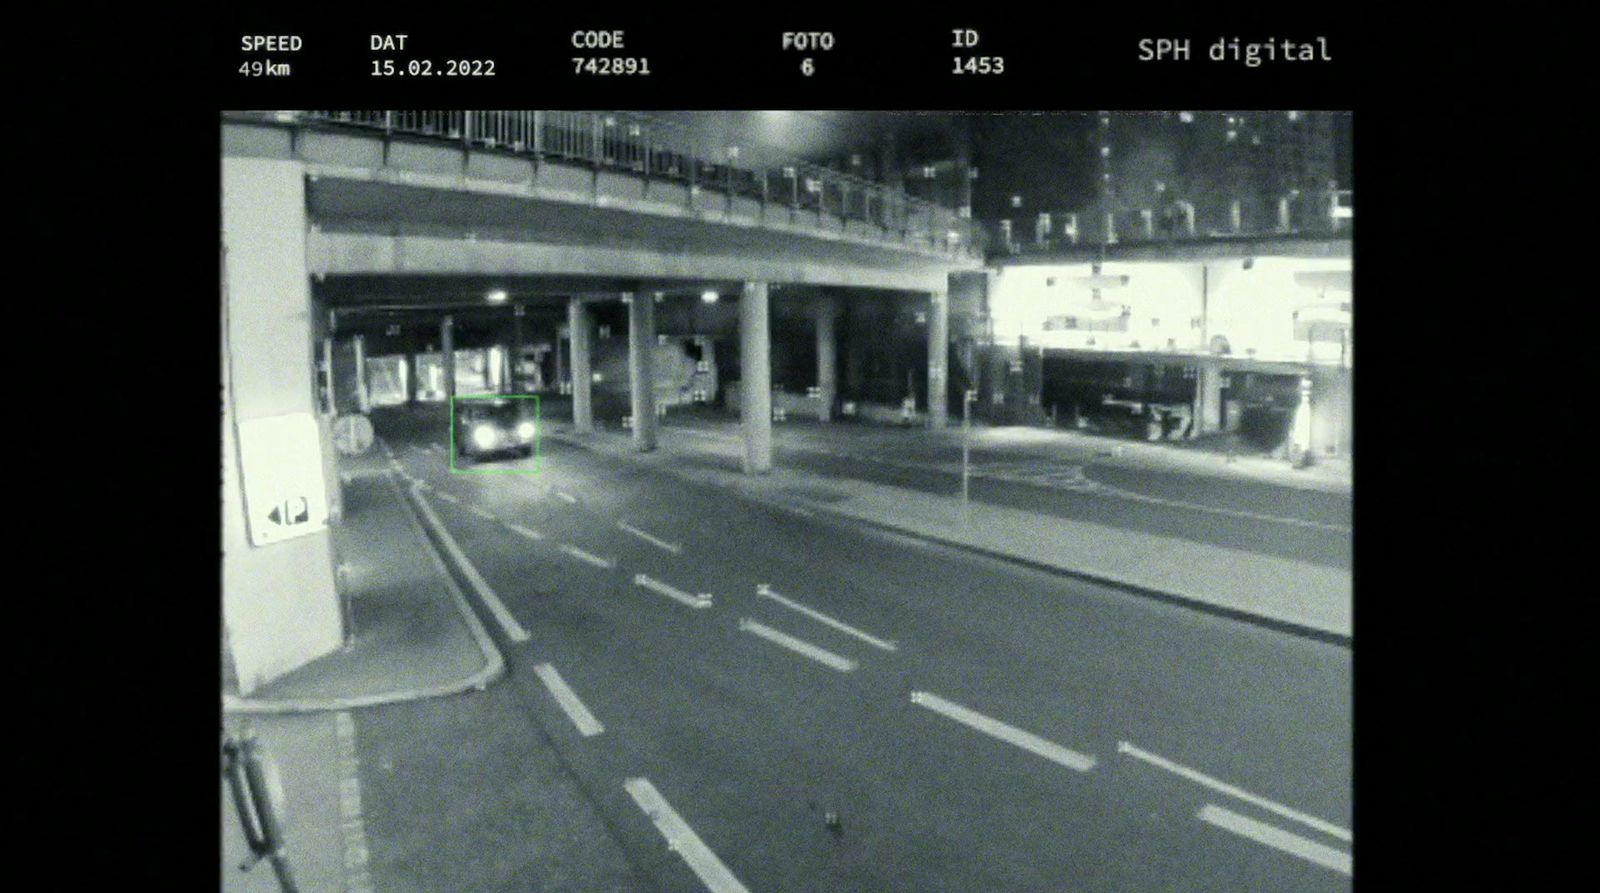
x=279 y=602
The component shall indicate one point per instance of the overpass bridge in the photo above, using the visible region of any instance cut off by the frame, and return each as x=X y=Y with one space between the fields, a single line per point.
x=334 y=221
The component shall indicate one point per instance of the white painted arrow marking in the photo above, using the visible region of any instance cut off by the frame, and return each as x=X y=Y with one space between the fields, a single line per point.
x=799 y=646
x=765 y=591
x=703 y=600
x=581 y=555
x=1277 y=838
x=661 y=544
x=1194 y=775
x=1004 y=731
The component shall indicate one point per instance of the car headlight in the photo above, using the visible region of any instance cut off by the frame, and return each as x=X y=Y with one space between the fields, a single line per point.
x=483 y=436
x=525 y=431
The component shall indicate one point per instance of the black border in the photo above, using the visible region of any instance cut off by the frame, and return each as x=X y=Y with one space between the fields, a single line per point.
x=1466 y=562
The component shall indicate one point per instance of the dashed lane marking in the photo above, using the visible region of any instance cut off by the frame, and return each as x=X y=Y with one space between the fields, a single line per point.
x=358 y=877
x=1197 y=776
x=518 y=529
x=674 y=548
x=765 y=591
x=581 y=555
x=479 y=585
x=1277 y=838
x=1004 y=731
x=703 y=600
x=587 y=725
x=566 y=497
x=681 y=838
x=482 y=512
x=448 y=497
x=799 y=646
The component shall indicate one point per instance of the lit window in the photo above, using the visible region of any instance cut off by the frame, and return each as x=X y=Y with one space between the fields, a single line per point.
x=1016 y=201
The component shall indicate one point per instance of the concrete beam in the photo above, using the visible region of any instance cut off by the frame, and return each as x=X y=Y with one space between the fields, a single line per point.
x=353 y=253
x=755 y=390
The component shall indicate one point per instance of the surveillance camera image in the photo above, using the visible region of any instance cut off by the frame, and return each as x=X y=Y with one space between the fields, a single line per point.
x=784 y=500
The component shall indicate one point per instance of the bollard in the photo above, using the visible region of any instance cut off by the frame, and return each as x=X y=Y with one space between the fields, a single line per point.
x=258 y=814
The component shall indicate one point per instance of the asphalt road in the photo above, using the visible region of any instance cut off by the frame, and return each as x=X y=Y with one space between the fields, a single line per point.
x=1161 y=729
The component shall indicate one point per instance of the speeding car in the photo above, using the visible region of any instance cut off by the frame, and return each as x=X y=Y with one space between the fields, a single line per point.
x=489 y=427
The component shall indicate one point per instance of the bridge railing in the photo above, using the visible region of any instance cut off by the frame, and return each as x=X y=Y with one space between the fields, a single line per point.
x=637 y=144
x=1328 y=213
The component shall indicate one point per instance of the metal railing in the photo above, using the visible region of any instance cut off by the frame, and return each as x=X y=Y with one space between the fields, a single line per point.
x=638 y=145
x=1329 y=213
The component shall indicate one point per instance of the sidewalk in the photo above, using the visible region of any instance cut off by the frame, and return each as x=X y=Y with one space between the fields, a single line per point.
x=1280 y=593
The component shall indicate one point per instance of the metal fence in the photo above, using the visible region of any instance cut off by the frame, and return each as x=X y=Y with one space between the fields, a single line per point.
x=1330 y=213
x=637 y=144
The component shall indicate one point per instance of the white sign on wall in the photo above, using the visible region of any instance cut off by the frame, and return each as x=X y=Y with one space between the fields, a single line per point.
x=280 y=462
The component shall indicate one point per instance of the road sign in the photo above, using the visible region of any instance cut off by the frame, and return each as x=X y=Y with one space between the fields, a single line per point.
x=352 y=434
x=280 y=464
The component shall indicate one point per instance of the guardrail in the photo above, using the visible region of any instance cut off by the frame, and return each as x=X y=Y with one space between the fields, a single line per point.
x=636 y=144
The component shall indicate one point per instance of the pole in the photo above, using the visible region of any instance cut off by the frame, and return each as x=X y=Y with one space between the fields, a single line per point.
x=966 y=452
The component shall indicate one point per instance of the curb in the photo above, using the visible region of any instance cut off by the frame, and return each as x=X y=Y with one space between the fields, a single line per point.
x=494 y=661
x=817 y=510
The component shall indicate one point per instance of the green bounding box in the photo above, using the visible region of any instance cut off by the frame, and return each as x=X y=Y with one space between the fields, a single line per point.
x=492 y=431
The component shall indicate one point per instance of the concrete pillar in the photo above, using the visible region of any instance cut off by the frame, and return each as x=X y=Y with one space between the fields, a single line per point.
x=560 y=365
x=280 y=603
x=582 y=380
x=755 y=391
x=854 y=361
x=413 y=377
x=363 y=385
x=642 y=368
x=827 y=358
x=447 y=355
x=938 y=357
x=514 y=361
x=1208 y=397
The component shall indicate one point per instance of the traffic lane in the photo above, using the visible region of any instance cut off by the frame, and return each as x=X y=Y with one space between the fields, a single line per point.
x=922 y=448
x=728 y=722
x=1329 y=548
x=1235 y=678
x=468 y=793
x=1183 y=684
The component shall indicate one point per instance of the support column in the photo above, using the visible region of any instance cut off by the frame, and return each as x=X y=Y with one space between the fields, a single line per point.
x=413 y=377
x=582 y=380
x=755 y=391
x=280 y=601
x=363 y=387
x=642 y=368
x=447 y=355
x=1208 y=397
x=514 y=362
x=938 y=356
x=827 y=359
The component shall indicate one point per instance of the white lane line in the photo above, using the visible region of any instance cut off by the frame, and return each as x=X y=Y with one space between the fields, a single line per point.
x=1195 y=775
x=1277 y=838
x=765 y=591
x=581 y=555
x=479 y=585
x=703 y=600
x=799 y=646
x=482 y=512
x=663 y=544
x=681 y=838
x=587 y=725
x=358 y=877
x=448 y=497
x=528 y=532
x=566 y=497
x=1005 y=732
